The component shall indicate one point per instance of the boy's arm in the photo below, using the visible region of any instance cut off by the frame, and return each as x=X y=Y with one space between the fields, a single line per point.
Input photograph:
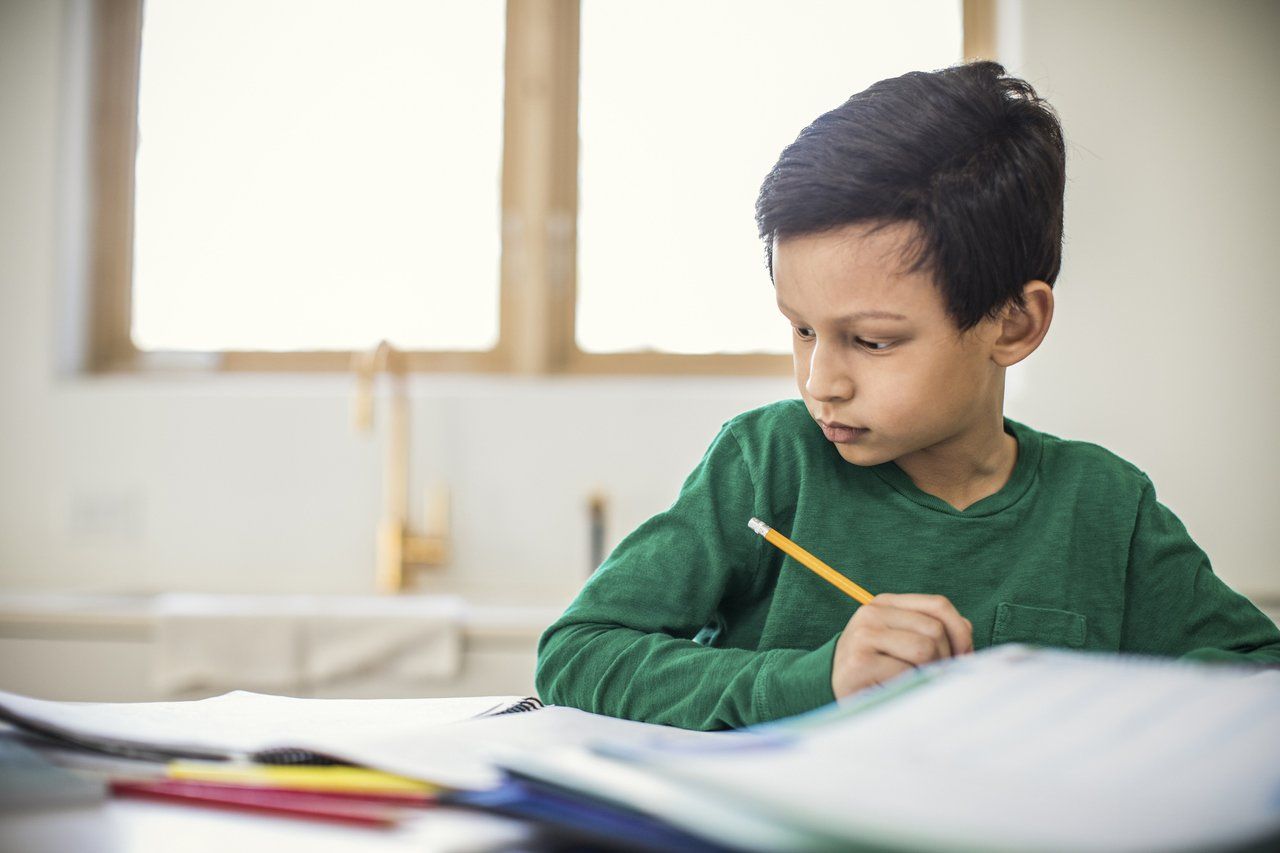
x=1176 y=605
x=625 y=645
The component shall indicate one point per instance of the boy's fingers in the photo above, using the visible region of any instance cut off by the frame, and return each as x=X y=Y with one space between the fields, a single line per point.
x=907 y=646
x=959 y=629
x=921 y=623
x=883 y=667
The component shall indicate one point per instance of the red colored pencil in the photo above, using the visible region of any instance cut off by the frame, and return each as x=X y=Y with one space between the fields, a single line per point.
x=343 y=809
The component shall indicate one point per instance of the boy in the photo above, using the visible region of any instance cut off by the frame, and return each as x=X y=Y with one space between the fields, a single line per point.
x=913 y=236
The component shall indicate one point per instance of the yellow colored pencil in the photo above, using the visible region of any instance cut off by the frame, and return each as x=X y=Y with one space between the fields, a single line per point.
x=809 y=561
x=299 y=777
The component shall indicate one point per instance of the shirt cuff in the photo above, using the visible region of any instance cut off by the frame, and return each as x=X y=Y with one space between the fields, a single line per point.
x=796 y=681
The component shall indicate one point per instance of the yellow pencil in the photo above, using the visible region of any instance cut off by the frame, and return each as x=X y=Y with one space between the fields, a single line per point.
x=322 y=778
x=806 y=559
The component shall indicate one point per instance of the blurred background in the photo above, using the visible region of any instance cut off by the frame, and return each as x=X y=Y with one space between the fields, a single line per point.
x=397 y=316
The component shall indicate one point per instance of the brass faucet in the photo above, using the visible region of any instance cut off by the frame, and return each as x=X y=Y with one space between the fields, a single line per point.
x=398 y=548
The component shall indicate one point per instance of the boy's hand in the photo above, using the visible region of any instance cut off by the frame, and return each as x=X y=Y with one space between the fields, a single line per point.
x=893 y=634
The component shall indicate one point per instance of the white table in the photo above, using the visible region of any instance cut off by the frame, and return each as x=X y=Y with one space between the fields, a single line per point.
x=121 y=825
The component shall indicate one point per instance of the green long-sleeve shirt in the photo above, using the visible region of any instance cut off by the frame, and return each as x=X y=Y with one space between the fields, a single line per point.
x=695 y=621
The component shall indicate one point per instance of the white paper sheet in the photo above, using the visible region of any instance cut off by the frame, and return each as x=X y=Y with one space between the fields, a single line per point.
x=1023 y=749
x=447 y=741
x=244 y=722
x=463 y=754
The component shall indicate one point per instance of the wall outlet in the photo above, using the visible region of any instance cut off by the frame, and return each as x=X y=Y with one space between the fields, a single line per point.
x=116 y=516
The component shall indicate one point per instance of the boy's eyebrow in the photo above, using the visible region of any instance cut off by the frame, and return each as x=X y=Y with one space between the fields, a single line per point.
x=858 y=315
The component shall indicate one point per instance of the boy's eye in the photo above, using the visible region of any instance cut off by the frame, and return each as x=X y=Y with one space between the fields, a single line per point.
x=805 y=334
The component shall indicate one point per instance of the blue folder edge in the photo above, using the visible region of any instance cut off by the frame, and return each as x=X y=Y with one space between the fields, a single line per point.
x=582 y=817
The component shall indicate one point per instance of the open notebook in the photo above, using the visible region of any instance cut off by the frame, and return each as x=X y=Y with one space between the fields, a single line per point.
x=1013 y=749
x=243 y=725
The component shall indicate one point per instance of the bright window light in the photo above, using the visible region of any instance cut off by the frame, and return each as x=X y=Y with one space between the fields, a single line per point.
x=318 y=174
x=684 y=107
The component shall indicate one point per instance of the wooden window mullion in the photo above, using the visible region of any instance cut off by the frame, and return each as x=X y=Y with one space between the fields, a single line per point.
x=117 y=28
x=540 y=184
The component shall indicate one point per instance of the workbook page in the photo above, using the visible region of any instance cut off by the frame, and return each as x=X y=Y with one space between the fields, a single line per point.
x=1023 y=749
x=466 y=755
x=246 y=722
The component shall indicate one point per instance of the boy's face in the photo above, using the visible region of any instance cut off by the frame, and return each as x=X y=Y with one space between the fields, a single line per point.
x=915 y=385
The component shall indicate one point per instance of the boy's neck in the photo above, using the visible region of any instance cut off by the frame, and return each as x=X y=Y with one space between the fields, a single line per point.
x=966 y=470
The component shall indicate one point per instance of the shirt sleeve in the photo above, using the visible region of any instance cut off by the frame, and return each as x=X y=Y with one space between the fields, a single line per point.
x=1177 y=606
x=625 y=645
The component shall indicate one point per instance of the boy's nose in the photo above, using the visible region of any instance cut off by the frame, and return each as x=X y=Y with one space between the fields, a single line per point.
x=828 y=377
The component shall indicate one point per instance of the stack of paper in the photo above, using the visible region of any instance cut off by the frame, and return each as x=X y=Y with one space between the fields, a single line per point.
x=243 y=739
x=1009 y=749
x=242 y=724
x=1012 y=748
x=410 y=753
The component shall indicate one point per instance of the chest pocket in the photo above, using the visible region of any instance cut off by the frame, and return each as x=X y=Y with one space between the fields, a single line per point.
x=1040 y=626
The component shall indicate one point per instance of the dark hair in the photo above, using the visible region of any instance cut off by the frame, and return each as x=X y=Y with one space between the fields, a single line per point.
x=973 y=157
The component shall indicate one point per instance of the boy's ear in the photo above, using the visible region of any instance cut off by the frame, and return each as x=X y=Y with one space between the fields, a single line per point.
x=1022 y=329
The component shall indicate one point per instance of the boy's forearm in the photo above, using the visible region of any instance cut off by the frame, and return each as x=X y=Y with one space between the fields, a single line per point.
x=656 y=678
x=1268 y=655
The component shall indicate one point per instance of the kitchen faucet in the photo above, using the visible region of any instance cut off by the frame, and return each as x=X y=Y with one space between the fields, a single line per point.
x=398 y=548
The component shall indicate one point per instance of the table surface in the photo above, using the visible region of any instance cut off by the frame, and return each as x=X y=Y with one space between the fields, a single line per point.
x=120 y=825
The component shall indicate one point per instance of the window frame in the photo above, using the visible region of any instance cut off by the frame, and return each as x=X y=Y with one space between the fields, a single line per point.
x=539 y=194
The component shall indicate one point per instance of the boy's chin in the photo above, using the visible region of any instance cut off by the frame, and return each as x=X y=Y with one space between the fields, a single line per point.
x=857 y=455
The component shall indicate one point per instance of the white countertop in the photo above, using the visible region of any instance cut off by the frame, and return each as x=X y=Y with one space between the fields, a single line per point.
x=134 y=614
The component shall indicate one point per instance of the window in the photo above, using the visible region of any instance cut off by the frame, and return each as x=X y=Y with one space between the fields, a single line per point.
x=673 y=151
x=322 y=179
x=275 y=188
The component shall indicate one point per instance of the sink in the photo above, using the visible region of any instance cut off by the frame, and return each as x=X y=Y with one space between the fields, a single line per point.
x=102 y=646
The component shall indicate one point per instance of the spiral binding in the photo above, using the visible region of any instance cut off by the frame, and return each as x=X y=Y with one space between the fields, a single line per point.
x=529 y=704
x=288 y=755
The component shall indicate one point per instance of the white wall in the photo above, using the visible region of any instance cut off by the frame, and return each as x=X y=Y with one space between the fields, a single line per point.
x=1164 y=345
x=1161 y=349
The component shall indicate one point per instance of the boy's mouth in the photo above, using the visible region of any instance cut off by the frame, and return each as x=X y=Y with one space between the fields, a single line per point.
x=842 y=433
